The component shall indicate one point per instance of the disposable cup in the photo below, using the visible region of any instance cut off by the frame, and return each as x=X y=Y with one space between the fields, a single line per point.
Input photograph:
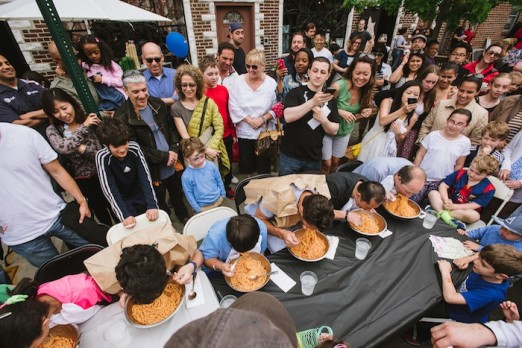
x=117 y=333
x=308 y=281
x=430 y=219
x=362 y=246
x=227 y=300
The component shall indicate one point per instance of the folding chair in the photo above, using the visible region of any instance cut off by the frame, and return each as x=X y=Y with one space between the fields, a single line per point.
x=199 y=224
x=240 y=189
x=503 y=193
x=70 y=262
x=349 y=166
x=118 y=232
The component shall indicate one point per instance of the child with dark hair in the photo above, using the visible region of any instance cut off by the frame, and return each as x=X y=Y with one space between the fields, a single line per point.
x=201 y=180
x=36 y=77
x=97 y=61
x=228 y=237
x=124 y=175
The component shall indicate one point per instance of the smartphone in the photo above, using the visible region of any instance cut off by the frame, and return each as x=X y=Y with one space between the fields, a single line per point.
x=281 y=64
x=412 y=100
x=330 y=90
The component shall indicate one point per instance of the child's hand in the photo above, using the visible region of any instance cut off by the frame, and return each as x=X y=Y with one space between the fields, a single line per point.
x=123 y=299
x=97 y=78
x=152 y=214
x=510 y=311
x=486 y=150
x=227 y=270
x=471 y=245
x=290 y=239
x=461 y=232
x=461 y=263
x=184 y=274
x=390 y=197
x=129 y=222
x=444 y=267
x=324 y=337
x=448 y=205
x=504 y=174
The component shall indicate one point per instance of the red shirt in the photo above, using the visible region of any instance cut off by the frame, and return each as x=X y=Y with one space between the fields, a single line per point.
x=219 y=95
x=488 y=74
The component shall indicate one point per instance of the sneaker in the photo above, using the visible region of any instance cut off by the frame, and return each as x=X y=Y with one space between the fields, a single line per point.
x=458 y=224
x=234 y=181
x=230 y=193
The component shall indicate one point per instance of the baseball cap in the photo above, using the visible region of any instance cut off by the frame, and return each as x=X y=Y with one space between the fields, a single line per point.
x=419 y=36
x=235 y=26
x=256 y=319
x=512 y=223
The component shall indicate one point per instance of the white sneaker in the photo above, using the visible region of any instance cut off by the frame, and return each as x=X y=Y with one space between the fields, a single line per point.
x=234 y=180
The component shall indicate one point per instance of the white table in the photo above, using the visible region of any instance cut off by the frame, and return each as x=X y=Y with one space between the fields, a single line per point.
x=92 y=330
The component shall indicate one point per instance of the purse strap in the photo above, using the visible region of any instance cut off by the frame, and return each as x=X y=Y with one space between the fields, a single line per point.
x=278 y=125
x=203 y=116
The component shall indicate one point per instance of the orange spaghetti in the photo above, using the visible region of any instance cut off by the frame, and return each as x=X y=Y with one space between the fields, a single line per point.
x=369 y=224
x=58 y=342
x=401 y=207
x=247 y=266
x=160 y=308
x=310 y=246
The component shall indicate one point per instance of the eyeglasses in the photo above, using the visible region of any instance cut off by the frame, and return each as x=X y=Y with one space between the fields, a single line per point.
x=253 y=67
x=369 y=55
x=379 y=54
x=153 y=59
x=129 y=73
x=197 y=157
x=493 y=54
x=185 y=85
x=478 y=76
x=459 y=54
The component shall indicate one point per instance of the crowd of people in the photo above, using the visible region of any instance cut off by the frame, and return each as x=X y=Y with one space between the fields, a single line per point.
x=437 y=131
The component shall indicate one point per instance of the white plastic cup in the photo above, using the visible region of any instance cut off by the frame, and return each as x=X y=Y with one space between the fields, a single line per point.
x=117 y=333
x=362 y=246
x=308 y=281
x=429 y=219
x=227 y=300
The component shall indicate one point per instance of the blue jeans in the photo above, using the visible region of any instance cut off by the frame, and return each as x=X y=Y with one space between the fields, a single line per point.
x=291 y=165
x=41 y=249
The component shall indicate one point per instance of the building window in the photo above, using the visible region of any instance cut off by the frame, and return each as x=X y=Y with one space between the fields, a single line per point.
x=233 y=16
x=510 y=23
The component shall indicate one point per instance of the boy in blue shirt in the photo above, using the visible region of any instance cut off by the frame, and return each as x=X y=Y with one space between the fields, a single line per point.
x=485 y=288
x=227 y=238
x=124 y=174
x=508 y=231
x=463 y=193
x=201 y=180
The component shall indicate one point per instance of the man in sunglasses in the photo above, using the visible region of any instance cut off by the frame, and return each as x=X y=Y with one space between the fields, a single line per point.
x=160 y=79
x=151 y=126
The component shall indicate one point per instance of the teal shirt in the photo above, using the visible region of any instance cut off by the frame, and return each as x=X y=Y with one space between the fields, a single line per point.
x=343 y=103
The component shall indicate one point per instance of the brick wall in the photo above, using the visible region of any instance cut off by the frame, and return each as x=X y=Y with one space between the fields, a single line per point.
x=270 y=26
x=493 y=26
x=202 y=16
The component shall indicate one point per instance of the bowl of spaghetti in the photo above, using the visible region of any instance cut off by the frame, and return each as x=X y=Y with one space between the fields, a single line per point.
x=61 y=336
x=312 y=247
x=158 y=311
x=402 y=208
x=246 y=265
x=372 y=223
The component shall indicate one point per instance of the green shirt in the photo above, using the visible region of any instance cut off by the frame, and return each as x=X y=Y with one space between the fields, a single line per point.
x=343 y=103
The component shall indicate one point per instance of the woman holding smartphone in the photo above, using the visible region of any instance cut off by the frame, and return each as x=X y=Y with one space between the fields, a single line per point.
x=354 y=95
x=395 y=119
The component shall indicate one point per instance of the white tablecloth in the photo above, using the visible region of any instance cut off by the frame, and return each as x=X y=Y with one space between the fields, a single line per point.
x=92 y=330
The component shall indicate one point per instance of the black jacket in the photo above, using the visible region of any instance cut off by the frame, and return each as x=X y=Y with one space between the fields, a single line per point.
x=141 y=133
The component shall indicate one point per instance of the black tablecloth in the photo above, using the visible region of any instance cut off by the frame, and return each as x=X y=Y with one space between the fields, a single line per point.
x=366 y=302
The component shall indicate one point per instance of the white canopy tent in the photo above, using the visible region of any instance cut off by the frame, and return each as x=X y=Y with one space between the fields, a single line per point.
x=79 y=10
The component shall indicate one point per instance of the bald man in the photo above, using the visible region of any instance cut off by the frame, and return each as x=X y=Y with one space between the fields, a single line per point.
x=160 y=79
x=63 y=80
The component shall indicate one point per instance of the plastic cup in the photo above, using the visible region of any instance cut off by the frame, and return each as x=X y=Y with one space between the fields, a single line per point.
x=227 y=300
x=117 y=333
x=308 y=281
x=362 y=246
x=429 y=219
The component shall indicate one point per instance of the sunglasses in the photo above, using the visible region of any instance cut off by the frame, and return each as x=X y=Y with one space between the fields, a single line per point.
x=185 y=85
x=133 y=72
x=153 y=59
x=493 y=54
x=253 y=67
x=478 y=76
x=369 y=55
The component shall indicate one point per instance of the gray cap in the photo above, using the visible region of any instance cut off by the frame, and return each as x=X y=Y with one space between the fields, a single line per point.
x=512 y=223
x=419 y=36
x=256 y=319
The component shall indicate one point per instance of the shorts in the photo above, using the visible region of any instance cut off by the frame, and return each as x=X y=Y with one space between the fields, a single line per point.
x=334 y=146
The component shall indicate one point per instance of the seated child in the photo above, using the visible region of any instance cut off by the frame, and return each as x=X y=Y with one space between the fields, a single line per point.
x=508 y=231
x=442 y=152
x=71 y=299
x=493 y=137
x=142 y=273
x=124 y=175
x=201 y=180
x=229 y=237
x=485 y=288
x=463 y=193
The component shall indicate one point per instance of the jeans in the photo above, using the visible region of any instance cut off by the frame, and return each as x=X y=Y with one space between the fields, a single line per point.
x=291 y=165
x=41 y=249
